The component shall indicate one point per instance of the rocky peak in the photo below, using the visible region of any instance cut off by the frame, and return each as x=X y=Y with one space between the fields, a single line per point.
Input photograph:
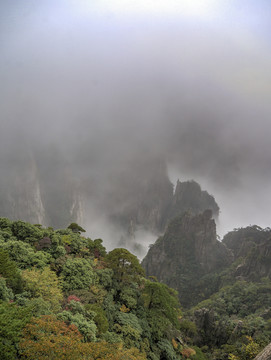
x=242 y=240
x=256 y=264
x=188 y=196
x=188 y=250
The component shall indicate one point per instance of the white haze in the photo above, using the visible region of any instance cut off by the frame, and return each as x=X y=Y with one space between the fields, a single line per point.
x=108 y=84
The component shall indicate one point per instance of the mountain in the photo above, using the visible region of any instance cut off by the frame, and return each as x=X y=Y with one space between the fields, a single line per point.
x=47 y=194
x=188 y=196
x=188 y=251
x=251 y=247
x=232 y=322
x=224 y=286
x=151 y=201
x=189 y=255
x=43 y=187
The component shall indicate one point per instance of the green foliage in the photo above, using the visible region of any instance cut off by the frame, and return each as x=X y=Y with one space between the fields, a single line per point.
x=52 y=244
x=77 y=273
x=112 y=337
x=188 y=328
x=159 y=325
x=10 y=272
x=129 y=319
x=38 y=306
x=105 y=277
x=125 y=265
x=43 y=283
x=248 y=350
x=76 y=228
x=99 y=318
x=12 y=320
x=24 y=255
x=6 y=235
x=26 y=232
x=128 y=326
x=229 y=316
x=163 y=300
x=96 y=248
x=75 y=242
x=82 y=317
x=86 y=327
x=6 y=294
x=242 y=298
x=129 y=297
x=5 y=224
x=113 y=300
x=110 y=308
x=199 y=354
x=167 y=350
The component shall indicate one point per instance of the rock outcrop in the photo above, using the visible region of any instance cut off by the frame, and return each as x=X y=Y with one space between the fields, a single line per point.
x=187 y=252
x=265 y=354
x=40 y=187
x=252 y=246
x=155 y=203
x=143 y=200
x=189 y=196
x=39 y=195
x=20 y=192
x=242 y=240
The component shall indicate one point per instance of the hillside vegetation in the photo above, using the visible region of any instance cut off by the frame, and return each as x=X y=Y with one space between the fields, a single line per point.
x=63 y=296
x=225 y=287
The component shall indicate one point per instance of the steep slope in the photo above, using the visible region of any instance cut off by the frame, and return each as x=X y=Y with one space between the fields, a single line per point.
x=252 y=247
x=20 y=191
x=242 y=240
x=189 y=196
x=143 y=197
x=42 y=186
x=149 y=201
x=44 y=194
x=186 y=253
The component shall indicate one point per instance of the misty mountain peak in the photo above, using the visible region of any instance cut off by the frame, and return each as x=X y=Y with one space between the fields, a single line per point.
x=187 y=251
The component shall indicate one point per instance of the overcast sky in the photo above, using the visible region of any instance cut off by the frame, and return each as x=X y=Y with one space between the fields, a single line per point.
x=108 y=82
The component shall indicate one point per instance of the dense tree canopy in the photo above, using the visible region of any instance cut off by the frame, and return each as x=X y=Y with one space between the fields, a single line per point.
x=124 y=264
x=63 y=297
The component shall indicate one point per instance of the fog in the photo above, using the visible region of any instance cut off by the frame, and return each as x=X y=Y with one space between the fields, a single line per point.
x=103 y=89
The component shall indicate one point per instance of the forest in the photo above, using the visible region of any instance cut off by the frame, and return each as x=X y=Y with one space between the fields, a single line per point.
x=63 y=296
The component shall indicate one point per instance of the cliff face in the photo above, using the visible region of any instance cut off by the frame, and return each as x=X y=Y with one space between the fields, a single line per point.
x=155 y=203
x=143 y=199
x=40 y=187
x=188 y=196
x=242 y=240
x=252 y=246
x=186 y=253
x=257 y=264
x=20 y=192
x=29 y=194
x=190 y=259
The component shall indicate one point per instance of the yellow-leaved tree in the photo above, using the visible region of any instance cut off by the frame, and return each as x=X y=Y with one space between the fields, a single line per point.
x=48 y=338
x=43 y=283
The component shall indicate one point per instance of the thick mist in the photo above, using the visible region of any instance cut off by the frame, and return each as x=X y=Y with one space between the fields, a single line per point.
x=93 y=95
